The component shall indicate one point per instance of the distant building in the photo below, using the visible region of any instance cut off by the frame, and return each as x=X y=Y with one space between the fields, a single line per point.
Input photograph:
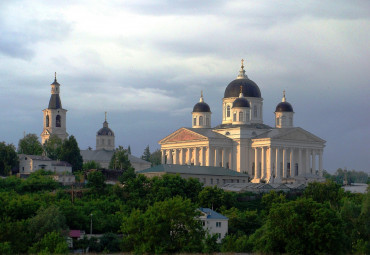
x=214 y=223
x=243 y=143
x=208 y=175
x=105 y=146
x=31 y=163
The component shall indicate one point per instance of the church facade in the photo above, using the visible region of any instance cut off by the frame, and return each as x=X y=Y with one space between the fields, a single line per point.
x=243 y=143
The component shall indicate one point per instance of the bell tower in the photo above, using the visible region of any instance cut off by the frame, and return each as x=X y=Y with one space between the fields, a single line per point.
x=54 y=116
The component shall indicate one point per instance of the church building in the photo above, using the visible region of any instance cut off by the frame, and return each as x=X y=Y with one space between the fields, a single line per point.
x=243 y=143
x=55 y=117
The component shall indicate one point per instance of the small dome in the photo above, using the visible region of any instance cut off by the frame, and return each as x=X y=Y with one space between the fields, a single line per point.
x=201 y=107
x=105 y=131
x=241 y=102
x=284 y=107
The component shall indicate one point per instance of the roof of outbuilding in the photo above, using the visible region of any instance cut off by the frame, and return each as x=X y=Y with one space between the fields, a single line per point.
x=191 y=169
x=106 y=155
x=212 y=214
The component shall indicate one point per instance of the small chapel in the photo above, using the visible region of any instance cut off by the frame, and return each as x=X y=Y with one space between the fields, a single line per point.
x=243 y=143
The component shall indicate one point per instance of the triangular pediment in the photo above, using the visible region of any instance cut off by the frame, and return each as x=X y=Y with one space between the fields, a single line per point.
x=182 y=135
x=299 y=134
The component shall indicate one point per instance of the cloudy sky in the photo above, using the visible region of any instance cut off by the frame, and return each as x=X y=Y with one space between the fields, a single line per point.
x=146 y=61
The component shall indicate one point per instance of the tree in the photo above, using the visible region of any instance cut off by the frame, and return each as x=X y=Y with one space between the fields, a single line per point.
x=30 y=145
x=146 y=154
x=90 y=165
x=70 y=152
x=8 y=158
x=168 y=226
x=119 y=160
x=301 y=227
x=328 y=191
x=47 y=220
x=214 y=197
x=156 y=158
x=53 y=146
x=129 y=150
x=96 y=181
x=52 y=242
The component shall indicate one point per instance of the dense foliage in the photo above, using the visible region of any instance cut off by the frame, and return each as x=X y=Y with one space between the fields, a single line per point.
x=8 y=158
x=343 y=176
x=158 y=215
x=30 y=145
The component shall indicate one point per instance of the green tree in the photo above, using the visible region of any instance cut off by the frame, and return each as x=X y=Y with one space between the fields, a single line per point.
x=156 y=158
x=90 y=165
x=146 y=154
x=70 y=152
x=47 y=220
x=119 y=160
x=52 y=242
x=96 y=181
x=53 y=147
x=214 y=197
x=8 y=158
x=301 y=227
x=166 y=227
x=111 y=242
x=30 y=145
x=328 y=191
x=129 y=150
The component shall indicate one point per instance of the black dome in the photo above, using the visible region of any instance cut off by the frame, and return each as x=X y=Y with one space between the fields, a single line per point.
x=241 y=102
x=250 y=88
x=105 y=131
x=54 y=102
x=201 y=107
x=284 y=107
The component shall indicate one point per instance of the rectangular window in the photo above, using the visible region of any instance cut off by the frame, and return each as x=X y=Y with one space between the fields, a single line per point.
x=234 y=117
x=241 y=116
x=194 y=121
x=218 y=224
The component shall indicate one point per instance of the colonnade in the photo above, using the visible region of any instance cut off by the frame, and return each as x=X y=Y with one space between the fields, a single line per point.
x=285 y=162
x=199 y=156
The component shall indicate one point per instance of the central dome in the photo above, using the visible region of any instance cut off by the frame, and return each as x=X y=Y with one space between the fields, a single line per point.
x=249 y=88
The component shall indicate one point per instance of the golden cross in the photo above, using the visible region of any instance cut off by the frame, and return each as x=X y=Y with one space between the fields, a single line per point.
x=105 y=116
x=242 y=63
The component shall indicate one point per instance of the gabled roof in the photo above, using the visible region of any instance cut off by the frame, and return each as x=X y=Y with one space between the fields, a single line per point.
x=190 y=169
x=192 y=134
x=106 y=155
x=295 y=134
x=210 y=214
x=35 y=157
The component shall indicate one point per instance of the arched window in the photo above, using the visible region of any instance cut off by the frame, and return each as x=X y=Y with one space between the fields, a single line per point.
x=200 y=120
x=207 y=121
x=234 y=116
x=241 y=116
x=255 y=111
x=277 y=121
x=194 y=121
x=108 y=141
x=47 y=121
x=228 y=111
x=247 y=117
x=58 y=122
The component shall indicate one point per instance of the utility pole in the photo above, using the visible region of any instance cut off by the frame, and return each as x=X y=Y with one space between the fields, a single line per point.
x=91 y=224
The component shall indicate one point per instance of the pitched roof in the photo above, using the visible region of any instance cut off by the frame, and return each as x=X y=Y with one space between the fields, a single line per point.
x=191 y=169
x=106 y=155
x=212 y=214
x=35 y=157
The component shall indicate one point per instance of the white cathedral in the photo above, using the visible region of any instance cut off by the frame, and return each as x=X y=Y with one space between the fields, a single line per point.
x=243 y=143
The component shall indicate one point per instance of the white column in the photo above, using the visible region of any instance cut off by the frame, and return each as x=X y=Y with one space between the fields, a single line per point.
x=320 y=162
x=291 y=162
x=209 y=156
x=224 y=160
x=277 y=163
x=175 y=157
x=284 y=163
x=256 y=163
x=202 y=161
x=196 y=158
x=188 y=156
x=263 y=163
x=313 y=161
x=269 y=168
x=163 y=158
x=217 y=157
x=300 y=165
x=307 y=161
x=169 y=159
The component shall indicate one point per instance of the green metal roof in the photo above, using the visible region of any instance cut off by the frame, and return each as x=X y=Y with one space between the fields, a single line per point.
x=190 y=169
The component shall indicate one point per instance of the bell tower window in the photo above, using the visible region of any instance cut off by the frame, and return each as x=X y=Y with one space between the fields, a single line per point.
x=228 y=111
x=200 y=120
x=234 y=116
x=58 y=122
x=194 y=121
x=255 y=111
x=241 y=116
x=47 y=121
